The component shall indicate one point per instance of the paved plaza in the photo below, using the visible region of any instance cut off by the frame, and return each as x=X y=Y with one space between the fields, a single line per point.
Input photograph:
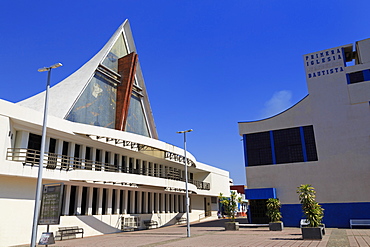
x=212 y=233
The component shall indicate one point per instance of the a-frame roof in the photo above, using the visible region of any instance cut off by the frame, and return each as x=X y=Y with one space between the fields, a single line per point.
x=64 y=95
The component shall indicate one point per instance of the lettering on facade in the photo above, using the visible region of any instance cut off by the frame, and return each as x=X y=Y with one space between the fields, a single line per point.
x=324 y=63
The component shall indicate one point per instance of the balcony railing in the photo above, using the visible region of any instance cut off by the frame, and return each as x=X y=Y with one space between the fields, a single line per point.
x=54 y=161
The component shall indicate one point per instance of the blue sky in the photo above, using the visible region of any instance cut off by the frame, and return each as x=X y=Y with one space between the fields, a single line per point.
x=207 y=64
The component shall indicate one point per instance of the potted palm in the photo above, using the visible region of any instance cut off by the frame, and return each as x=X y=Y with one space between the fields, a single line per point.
x=230 y=205
x=273 y=212
x=313 y=212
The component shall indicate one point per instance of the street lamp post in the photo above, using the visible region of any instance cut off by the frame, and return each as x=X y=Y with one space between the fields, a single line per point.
x=186 y=183
x=41 y=162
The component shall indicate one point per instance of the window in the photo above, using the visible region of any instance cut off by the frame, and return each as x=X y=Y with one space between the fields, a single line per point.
x=33 y=149
x=280 y=146
x=259 y=149
x=358 y=76
x=309 y=138
x=288 y=145
x=65 y=159
x=52 y=157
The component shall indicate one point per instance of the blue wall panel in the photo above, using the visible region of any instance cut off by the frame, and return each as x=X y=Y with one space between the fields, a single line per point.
x=262 y=193
x=335 y=214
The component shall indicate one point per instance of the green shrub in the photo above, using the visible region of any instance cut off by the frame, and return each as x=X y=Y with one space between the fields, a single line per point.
x=230 y=204
x=273 y=209
x=311 y=209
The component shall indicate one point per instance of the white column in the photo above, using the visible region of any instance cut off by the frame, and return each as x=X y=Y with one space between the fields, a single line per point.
x=163 y=203
x=133 y=202
x=133 y=165
x=109 y=200
x=139 y=202
x=100 y=201
x=152 y=205
x=111 y=161
x=125 y=196
x=172 y=203
x=118 y=201
x=90 y=201
x=157 y=203
x=59 y=151
x=119 y=163
x=83 y=155
x=146 y=201
x=140 y=166
x=93 y=157
x=79 y=199
x=103 y=160
x=71 y=153
x=167 y=196
x=67 y=193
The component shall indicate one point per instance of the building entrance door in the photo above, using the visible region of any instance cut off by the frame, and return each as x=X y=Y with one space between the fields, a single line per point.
x=258 y=211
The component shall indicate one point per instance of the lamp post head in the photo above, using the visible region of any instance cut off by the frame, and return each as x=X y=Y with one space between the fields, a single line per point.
x=51 y=67
x=185 y=131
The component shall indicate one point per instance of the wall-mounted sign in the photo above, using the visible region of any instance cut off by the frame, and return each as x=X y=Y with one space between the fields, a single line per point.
x=324 y=63
x=51 y=204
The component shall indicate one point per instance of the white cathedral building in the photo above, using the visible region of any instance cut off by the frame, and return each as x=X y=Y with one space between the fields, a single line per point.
x=102 y=144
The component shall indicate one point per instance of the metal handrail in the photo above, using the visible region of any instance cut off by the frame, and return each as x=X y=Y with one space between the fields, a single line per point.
x=54 y=161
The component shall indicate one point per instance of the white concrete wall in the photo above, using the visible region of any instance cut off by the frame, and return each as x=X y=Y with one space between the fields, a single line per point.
x=341 y=128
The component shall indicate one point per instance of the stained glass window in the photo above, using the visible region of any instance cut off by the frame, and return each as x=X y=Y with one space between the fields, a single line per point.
x=118 y=50
x=136 y=122
x=97 y=104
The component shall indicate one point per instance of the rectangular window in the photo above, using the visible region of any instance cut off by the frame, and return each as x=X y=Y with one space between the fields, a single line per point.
x=88 y=159
x=309 y=138
x=104 y=201
x=33 y=149
x=115 y=162
x=98 y=160
x=77 y=160
x=72 y=201
x=52 y=156
x=84 y=201
x=288 y=145
x=65 y=159
x=95 y=201
x=358 y=76
x=114 y=210
x=123 y=164
x=281 y=146
x=259 y=150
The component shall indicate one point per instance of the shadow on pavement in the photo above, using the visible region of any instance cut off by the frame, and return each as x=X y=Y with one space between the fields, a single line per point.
x=217 y=223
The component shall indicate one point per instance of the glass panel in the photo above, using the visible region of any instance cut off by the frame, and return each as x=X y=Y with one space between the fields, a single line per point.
x=136 y=122
x=97 y=104
x=118 y=50
x=259 y=149
x=288 y=146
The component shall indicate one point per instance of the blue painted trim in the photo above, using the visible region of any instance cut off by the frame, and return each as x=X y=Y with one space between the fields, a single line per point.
x=366 y=74
x=304 y=150
x=245 y=150
x=272 y=147
x=260 y=193
x=344 y=58
x=335 y=214
x=348 y=81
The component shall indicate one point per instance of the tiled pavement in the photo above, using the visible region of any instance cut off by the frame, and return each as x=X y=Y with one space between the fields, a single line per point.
x=212 y=233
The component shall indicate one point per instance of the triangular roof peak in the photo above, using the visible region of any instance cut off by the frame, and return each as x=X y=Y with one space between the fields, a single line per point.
x=107 y=91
